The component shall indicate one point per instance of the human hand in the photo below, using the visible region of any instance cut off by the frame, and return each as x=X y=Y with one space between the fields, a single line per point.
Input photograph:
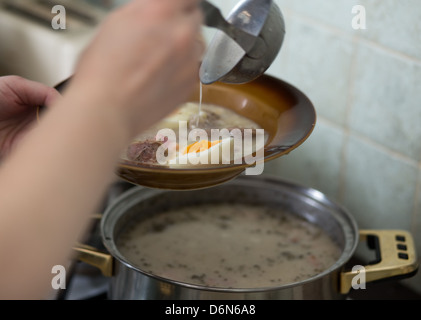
x=19 y=99
x=143 y=62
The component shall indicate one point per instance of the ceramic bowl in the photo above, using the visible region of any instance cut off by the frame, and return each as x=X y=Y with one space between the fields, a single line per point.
x=283 y=111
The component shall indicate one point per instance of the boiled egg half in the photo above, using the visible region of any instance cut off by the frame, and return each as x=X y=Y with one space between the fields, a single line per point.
x=205 y=152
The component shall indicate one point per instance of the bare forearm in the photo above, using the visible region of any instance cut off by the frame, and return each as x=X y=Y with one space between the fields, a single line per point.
x=141 y=65
x=50 y=186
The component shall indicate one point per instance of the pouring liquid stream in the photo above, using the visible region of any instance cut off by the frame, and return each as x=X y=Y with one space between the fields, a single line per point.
x=200 y=105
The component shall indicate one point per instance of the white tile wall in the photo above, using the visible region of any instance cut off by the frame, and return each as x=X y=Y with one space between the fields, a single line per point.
x=365 y=84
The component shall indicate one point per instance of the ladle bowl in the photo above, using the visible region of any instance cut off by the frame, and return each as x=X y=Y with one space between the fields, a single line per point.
x=245 y=45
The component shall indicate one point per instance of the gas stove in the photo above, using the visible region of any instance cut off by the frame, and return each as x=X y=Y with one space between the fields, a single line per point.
x=83 y=281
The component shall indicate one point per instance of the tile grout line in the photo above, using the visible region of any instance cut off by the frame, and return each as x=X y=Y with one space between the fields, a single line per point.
x=416 y=206
x=391 y=52
x=416 y=202
x=320 y=24
x=346 y=128
x=352 y=34
x=399 y=156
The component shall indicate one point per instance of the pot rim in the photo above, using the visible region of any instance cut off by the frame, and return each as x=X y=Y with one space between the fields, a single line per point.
x=138 y=193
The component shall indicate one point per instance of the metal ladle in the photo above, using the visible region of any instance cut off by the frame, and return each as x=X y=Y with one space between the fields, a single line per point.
x=246 y=43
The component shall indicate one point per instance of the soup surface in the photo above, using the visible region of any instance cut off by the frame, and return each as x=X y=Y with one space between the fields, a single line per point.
x=188 y=118
x=228 y=246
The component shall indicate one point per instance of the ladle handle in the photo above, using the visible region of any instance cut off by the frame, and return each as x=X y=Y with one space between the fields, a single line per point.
x=213 y=18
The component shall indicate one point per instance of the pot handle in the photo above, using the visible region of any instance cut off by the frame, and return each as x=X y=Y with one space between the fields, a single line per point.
x=396 y=257
x=95 y=258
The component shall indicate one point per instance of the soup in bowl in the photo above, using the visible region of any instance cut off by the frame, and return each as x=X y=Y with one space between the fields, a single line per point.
x=275 y=116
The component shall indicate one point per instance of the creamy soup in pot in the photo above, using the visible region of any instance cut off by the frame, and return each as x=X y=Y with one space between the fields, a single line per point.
x=228 y=246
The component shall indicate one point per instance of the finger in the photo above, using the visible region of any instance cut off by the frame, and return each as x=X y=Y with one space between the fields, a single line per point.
x=182 y=8
x=165 y=8
x=199 y=47
x=184 y=5
x=31 y=92
x=194 y=34
x=191 y=5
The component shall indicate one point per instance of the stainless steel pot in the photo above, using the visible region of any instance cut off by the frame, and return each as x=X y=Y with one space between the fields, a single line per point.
x=130 y=282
